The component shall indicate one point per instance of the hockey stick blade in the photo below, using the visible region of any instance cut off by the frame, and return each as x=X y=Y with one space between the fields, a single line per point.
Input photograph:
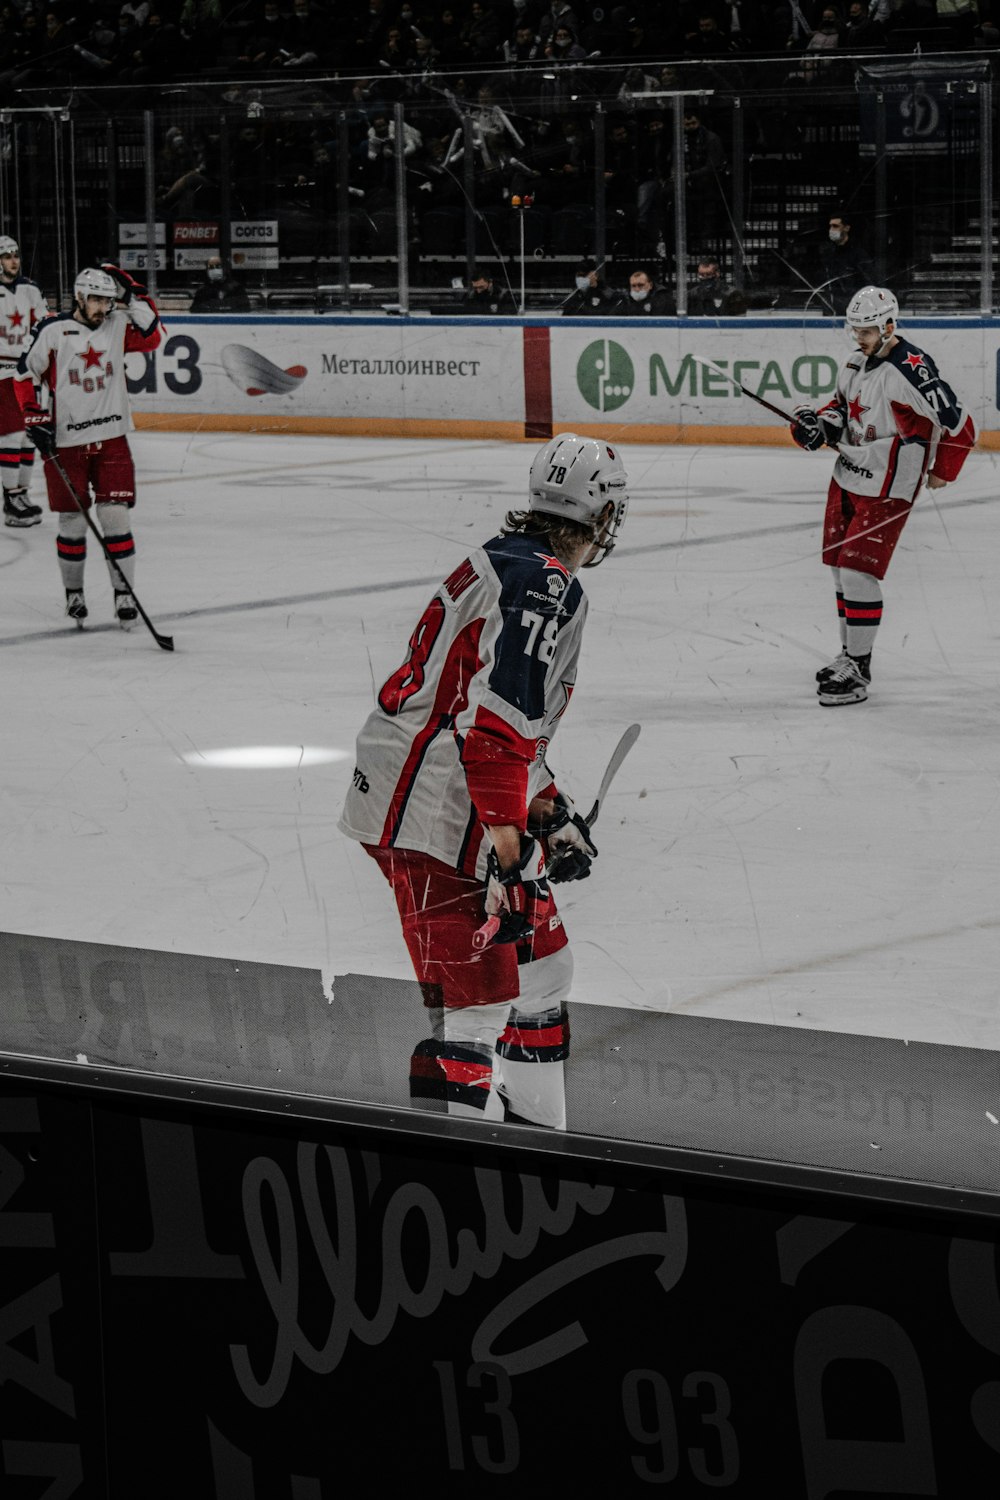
x=784 y=415
x=622 y=748
x=165 y=642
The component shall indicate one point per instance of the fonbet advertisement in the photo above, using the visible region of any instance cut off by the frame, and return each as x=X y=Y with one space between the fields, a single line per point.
x=675 y=381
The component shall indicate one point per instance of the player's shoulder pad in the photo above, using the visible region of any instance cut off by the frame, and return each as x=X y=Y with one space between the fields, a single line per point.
x=914 y=364
x=919 y=370
x=53 y=318
x=525 y=565
x=27 y=281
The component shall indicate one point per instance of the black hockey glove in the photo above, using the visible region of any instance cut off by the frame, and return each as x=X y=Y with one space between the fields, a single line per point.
x=40 y=429
x=127 y=285
x=831 y=419
x=571 y=849
x=511 y=896
x=807 y=430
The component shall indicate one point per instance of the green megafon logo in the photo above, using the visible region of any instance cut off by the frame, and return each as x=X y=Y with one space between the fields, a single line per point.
x=605 y=375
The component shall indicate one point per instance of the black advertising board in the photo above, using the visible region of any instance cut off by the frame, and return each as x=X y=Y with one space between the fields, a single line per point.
x=213 y=1294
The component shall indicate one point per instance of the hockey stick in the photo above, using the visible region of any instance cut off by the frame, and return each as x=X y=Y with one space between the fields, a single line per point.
x=622 y=748
x=485 y=934
x=165 y=642
x=700 y=359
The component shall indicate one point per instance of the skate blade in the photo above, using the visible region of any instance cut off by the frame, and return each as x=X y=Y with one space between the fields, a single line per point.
x=830 y=701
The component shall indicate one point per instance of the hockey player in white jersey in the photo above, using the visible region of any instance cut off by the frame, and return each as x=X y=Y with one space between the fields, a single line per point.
x=80 y=357
x=453 y=798
x=22 y=306
x=895 y=424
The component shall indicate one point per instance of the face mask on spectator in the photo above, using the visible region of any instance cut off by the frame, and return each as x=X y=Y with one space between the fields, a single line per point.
x=582 y=283
x=215 y=273
x=639 y=294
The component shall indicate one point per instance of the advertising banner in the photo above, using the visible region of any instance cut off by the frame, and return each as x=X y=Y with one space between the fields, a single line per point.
x=669 y=381
x=238 y=1305
x=345 y=375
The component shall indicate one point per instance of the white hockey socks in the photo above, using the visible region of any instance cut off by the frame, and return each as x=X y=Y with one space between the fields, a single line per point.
x=115 y=522
x=862 y=610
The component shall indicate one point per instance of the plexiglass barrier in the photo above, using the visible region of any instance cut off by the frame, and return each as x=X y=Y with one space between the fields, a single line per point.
x=499 y=192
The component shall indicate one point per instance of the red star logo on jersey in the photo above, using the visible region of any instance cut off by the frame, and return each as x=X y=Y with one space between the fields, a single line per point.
x=90 y=357
x=855 y=410
x=914 y=361
x=16 y=319
x=553 y=562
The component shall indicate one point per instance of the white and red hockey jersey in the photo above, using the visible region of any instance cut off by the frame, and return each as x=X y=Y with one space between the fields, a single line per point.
x=902 y=421
x=84 y=368
x=22 y=307
x=458 y=738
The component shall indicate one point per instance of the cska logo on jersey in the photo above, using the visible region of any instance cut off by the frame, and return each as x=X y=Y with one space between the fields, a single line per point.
x=855 y=410
x=16 y=318
x=93 y=359
x=914 y=361
x=553 y=562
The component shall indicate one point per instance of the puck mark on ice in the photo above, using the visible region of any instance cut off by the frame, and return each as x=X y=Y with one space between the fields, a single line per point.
x=257 y=375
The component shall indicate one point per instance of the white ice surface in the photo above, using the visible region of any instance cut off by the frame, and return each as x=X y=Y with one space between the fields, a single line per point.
x=762 y=858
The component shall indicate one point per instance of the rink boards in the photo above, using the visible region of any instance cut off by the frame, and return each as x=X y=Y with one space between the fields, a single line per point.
x=511 y=379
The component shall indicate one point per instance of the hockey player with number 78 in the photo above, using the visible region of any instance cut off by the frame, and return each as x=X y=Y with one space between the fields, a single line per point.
x=895 y=424
x=454 y=801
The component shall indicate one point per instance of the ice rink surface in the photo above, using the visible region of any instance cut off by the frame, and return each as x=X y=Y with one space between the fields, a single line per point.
x=761 y=858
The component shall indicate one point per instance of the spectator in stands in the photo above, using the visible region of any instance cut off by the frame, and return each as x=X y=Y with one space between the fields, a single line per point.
x=705 y=170
x=447 y=38
x=267 y=44
x=845 y=265
x=219 y=292
x=653 y=157
x=710 y=297
x=863 y=30
x=559 y=13
x=307 y=34
x=525 y=46
x=562 y=47
x=590 y=297
x=486 y=298
x=137 y=9
x=645 y=299
x=480 y=34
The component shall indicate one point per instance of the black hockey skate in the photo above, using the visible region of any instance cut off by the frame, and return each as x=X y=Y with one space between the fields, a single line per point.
x=846 y=685
x=125 y=608
x=18 y=509
x=76 y=606
x=864 y=664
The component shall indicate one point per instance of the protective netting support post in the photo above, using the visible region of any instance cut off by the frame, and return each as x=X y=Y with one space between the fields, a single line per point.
x=225 y=196
x=402 y=226
x=600 y=190
x=881 y=187
x=149 y=151
x=739 y=198
x=680 y=209
x=469 y=187
x=986 y=195
x=111 y=149
x=344 y=207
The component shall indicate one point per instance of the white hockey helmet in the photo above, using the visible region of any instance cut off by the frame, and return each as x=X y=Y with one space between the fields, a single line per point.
x=8 y=246
x=574 y=478
x=94 y=283
x=873 y=307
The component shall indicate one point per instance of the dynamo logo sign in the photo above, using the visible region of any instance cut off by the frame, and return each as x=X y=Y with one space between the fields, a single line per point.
x=605 y=375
